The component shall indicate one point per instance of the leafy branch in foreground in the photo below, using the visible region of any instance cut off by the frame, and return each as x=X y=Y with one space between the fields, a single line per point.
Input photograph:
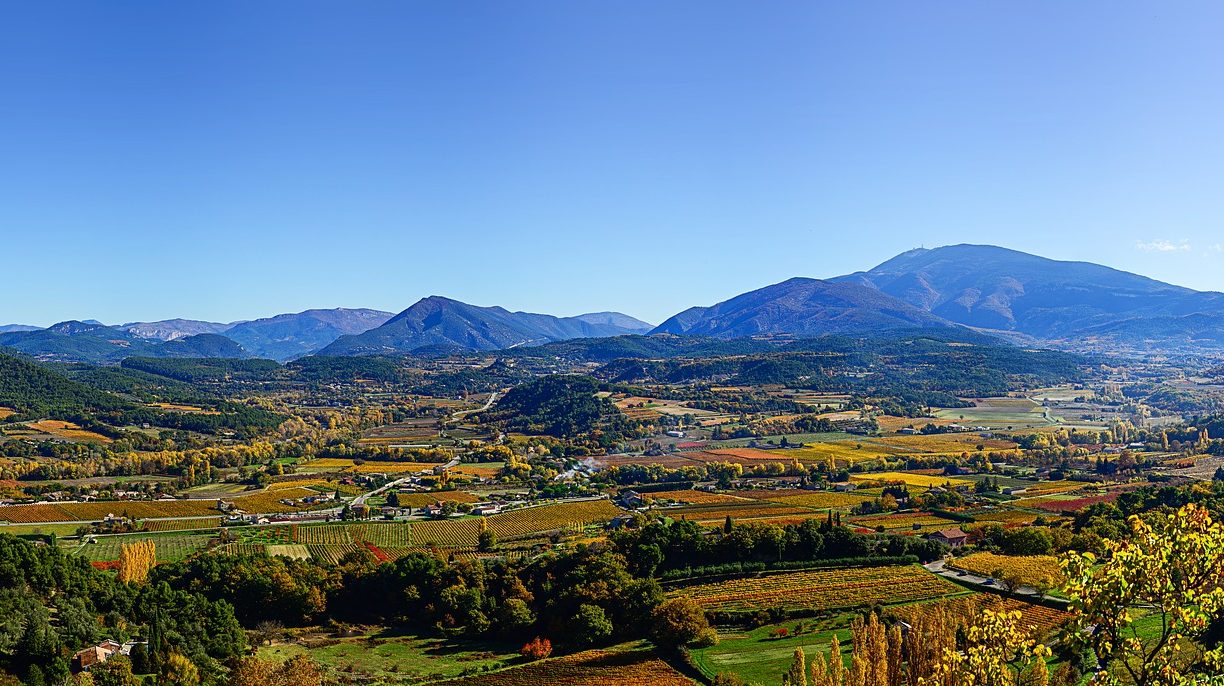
x=1141 y=604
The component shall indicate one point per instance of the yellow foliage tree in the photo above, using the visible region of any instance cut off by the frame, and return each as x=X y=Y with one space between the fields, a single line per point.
x=136 y=559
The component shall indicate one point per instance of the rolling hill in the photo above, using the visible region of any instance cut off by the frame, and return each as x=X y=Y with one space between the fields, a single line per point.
x=441 y=323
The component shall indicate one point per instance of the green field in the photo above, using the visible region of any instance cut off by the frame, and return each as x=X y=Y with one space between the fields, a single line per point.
x=171 y=547
x=392 y=659
x=757 y=657
x=998 y=413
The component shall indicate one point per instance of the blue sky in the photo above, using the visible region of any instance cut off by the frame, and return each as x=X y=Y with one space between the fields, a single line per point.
x=230 y=160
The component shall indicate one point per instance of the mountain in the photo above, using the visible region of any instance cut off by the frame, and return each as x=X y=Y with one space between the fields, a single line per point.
x=439 y=323
x=12 y=328
x=622 y=322
x=200 y=345
x=171 y=329
x=989 y=287
x=801 y=307
x=287 y=336
x=76 y=341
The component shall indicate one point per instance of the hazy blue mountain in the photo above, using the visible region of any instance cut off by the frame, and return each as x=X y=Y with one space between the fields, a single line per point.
x=801 y=307
x=996 y=288
x=76 y=341
x=11 y=328
x=287 y=336
x=436 y=323
x=170 y=329
x=622 y=322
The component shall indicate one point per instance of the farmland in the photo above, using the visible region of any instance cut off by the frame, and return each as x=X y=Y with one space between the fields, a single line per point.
x=821 y=590
x=67 y=430
x=910 y=479
x=1029 y=570
x=1039 y=619
x=391 y=658
x=60 y=512
x=171 y=547
x=590 y=668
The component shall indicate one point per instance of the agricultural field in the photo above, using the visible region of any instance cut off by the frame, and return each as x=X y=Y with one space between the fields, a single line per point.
x=817 y=499
x=1005 y=517
x=748 y=510
x=424 y=499
x=845 y=452
x=154 y=525
x=171 y=547
x=1030 y=570
x=392 y=659
x=693 y=497
x=998 y=413
x=1067 y=502
x=910 y=479
x=97 y=511
x=1039 y=619
x=6 y=412
x=413 y=432
x=590 y=668
x=270 y=501
x=907 y=522
x=823 y=589
x=533 y=520
x=760 y=655
x=294 y=550
x=67 y=431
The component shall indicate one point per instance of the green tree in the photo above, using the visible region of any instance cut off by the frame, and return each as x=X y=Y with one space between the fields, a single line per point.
x=117 y=671
x=590 y=625
x=678 y=622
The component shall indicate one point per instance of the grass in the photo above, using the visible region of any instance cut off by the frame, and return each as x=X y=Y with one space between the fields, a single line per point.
x=389 y=658
x=757 y=657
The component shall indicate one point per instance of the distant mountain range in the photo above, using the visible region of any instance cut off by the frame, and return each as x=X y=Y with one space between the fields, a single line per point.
x=440 y=323
x=993 y=290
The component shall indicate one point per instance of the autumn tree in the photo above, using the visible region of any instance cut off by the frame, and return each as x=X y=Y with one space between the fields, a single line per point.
x=1170 y=565
x=998 y=651
x=537 y=649
x=797 y=674
x=136 y=559
x=678 y=622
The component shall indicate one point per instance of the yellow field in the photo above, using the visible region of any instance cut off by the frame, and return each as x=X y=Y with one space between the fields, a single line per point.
x=67 y=430
x=1029 y=570
x=845 y=452
x=920 y=480
x=423 y=499
x=6 y=412
x=820 y=499
x=944 y=443
x=693 y=497
x=300 y=483
x=551 y=517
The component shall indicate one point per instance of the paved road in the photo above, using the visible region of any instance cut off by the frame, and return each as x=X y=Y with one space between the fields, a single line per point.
x=939 y=567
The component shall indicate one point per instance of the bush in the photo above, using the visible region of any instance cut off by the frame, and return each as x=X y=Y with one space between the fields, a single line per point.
x=537 y=649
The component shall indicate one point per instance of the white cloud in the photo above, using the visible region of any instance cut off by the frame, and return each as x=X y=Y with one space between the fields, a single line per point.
x=1163 y=246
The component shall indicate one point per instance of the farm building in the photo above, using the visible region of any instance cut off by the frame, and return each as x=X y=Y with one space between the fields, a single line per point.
x=953 y=538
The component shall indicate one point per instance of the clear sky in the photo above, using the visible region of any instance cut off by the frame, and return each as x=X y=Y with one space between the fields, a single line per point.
x=231 y=160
